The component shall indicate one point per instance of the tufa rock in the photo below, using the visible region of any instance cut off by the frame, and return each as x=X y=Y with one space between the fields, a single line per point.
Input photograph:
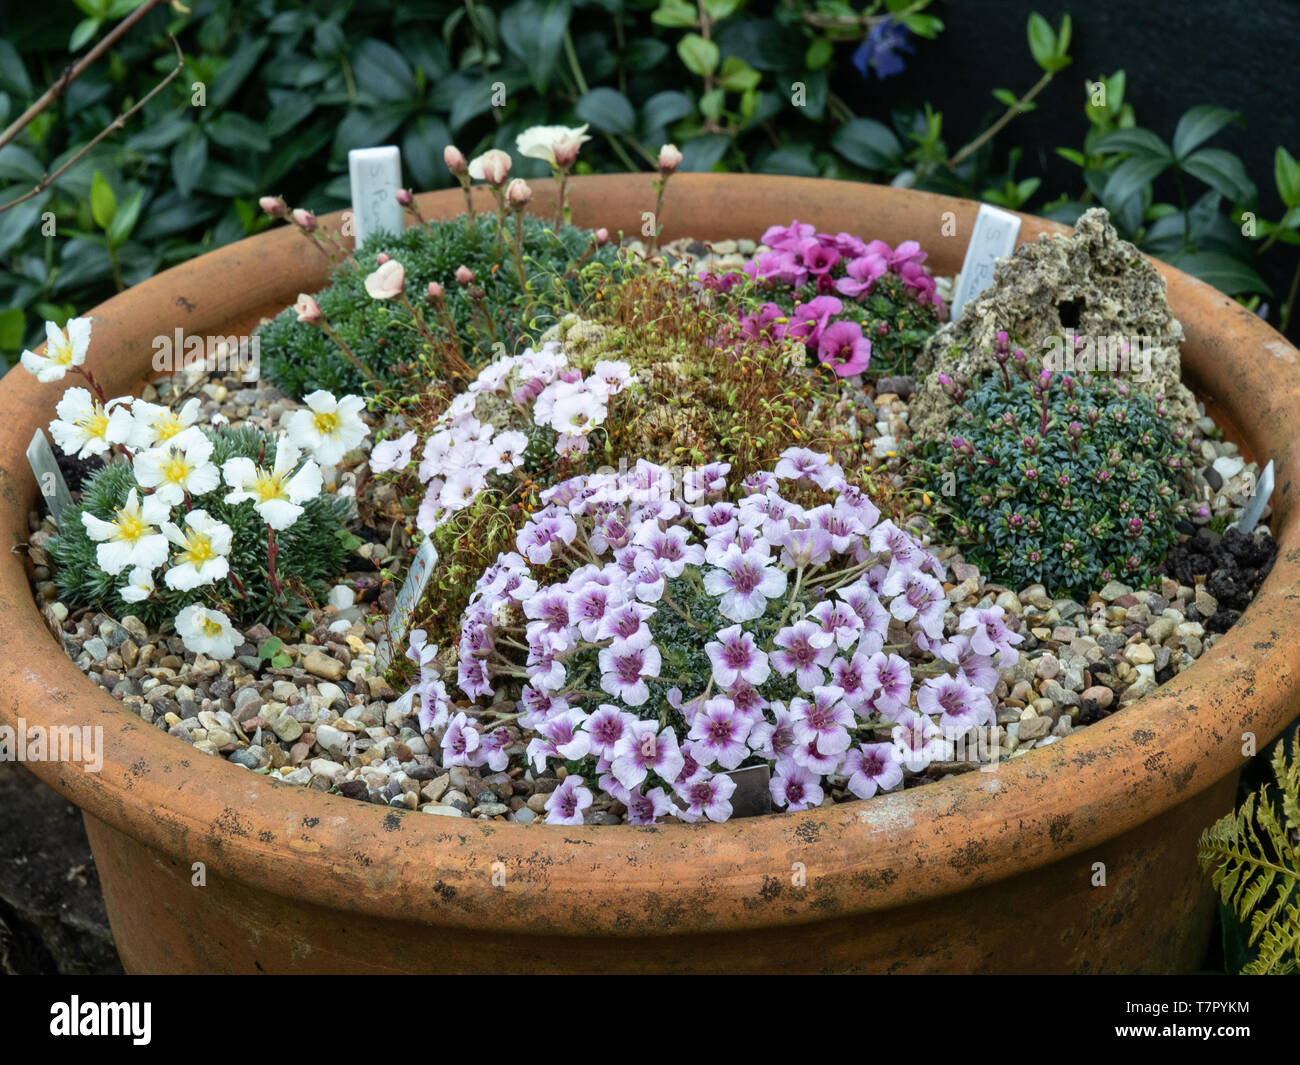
x=1091 y=283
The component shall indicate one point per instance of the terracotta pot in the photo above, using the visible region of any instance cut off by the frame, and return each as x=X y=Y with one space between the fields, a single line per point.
x=984 y=872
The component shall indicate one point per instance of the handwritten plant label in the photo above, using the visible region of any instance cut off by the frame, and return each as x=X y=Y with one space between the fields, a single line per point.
x=49 y=478
x=376 y=175
x=1255 y=505
x=994 y=238
x=399 y=621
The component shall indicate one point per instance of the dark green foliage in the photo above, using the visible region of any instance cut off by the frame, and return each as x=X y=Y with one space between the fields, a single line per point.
x=310 y=554
x=300 y=358
x=1094 y=496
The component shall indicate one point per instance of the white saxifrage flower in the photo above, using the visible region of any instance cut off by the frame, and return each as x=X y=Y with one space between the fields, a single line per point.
x=85 y=427
x=387 y=281
x=179 y=466
x=556 y=145
x=207 y=632
x=155 y=424
x=64 y=349
x=493 y=166
x=277 y=494
x=139 y=585
x=132 y=537
x=330 y=428
x=204 y=545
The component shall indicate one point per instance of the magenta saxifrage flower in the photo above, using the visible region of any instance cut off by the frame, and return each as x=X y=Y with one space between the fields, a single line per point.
x=844 y=349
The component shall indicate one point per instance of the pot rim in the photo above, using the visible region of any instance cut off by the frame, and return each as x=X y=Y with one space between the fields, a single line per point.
x=950 y=836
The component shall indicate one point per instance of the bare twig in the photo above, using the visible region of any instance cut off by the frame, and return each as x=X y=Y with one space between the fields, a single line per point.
x=73 y=72
x=112 y=127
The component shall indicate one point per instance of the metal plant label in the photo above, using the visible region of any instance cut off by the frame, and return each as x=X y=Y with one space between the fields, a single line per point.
x=752 y=795
x=426 y=557
x=994 y=238
x=49 y=478
x=1255 y=505
x=376 y=175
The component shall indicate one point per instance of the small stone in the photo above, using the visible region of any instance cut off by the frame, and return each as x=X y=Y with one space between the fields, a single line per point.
x=435 y=789
x=537 y=803
x=1098 y=694
x=524 y=816
x=137 y=628
x=1160 y=630
x=341 y=596
x=1034 y=728
x=323 y=767
x=1228 y=466
x=1206 y=605
x=1036 y=596
x=246 y=758
x=459 y=800
x=1140 y=654
x=490 y=809
x=97 y=648
x=287 y=728
x=1112 y=590
x=319 y=664
x=1048 y=667
x=442 y=811
x=964 y=571
x=331 y=739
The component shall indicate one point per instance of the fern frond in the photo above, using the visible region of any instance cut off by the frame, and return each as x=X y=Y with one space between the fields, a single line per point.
x=1254 y=865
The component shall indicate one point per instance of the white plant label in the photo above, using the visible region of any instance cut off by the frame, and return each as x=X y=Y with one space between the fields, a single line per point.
x=426 y=557
x=49 y=478
x=376 y=175
x=1255 y=505
x=994 y=238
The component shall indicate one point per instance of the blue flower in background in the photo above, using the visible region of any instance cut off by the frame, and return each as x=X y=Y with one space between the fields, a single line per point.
x=883 y=48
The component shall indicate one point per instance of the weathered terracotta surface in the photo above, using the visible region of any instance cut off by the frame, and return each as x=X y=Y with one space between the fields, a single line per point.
x=985 y=872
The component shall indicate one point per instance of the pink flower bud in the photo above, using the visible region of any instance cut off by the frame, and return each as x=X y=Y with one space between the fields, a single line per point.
x=274 y=206
x=455 y=160
x=405 y=197
x=382 y=258
x=307 y=309
x=602 y=235
x=518 y=193
x=387 y=281
x=304 y=219
x=435 y=292
x=464 y=275
x=669 y=159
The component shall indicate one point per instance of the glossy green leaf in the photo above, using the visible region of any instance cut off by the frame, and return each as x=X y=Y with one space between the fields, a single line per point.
x=1198 y=125
x=867 y=143
x=103 y=203
x=608 y=110
x=700 y=56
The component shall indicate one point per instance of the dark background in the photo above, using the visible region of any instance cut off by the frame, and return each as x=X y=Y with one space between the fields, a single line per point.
x=1176 y=54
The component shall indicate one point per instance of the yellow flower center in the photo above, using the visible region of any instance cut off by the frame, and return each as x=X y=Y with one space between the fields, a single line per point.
x=268 y=486
x=62 y=354
x=175 y=470
x=130 y=525
x=327 y=423
x=198 y=548
x=211 y=629
x=167 y=425
x=95 y=423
